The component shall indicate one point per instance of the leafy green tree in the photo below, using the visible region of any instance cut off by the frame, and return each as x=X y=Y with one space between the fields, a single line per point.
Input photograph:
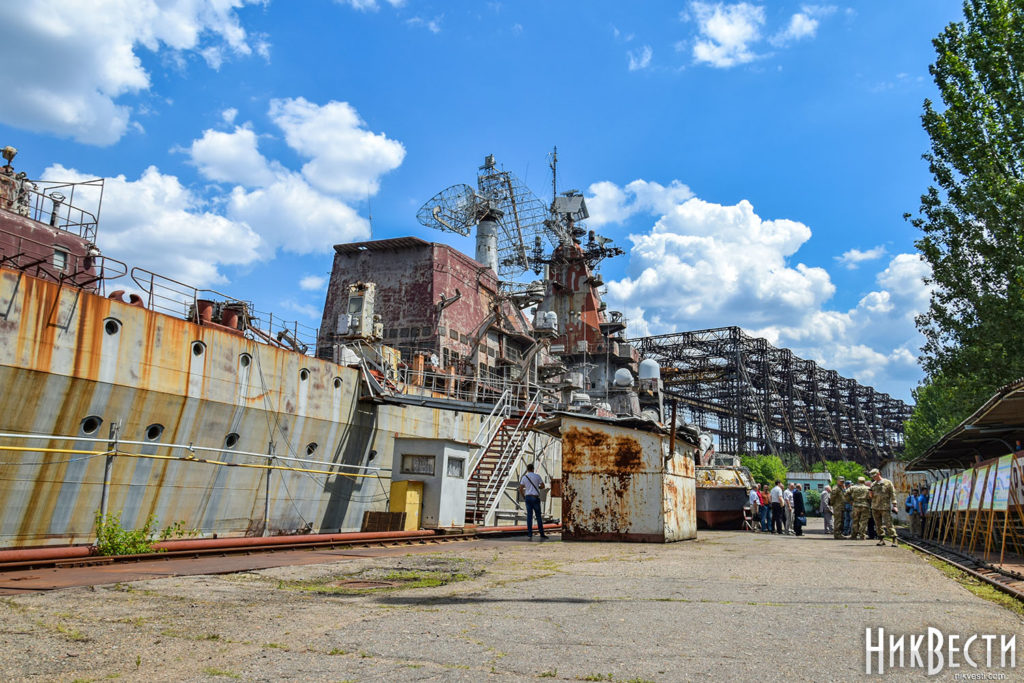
x=812 y=501
x=840 y=468
x=972 y=218
x=766 y=469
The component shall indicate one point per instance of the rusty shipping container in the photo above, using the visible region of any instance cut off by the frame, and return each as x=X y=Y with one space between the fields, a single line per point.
x=620 y=482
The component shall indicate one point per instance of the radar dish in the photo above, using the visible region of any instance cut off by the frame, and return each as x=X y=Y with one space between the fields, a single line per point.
x=452 y=210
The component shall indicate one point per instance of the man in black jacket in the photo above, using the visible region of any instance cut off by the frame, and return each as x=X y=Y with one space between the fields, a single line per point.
x=799 y=512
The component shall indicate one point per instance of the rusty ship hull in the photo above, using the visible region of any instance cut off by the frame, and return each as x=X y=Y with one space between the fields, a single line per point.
x=65 y=371
x=721 y=496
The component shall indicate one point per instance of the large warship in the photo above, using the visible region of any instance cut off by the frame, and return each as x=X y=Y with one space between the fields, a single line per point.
x=128 y=393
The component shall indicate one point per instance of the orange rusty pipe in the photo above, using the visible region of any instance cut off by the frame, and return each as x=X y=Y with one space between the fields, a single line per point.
x=66 y=552
x=75 y=551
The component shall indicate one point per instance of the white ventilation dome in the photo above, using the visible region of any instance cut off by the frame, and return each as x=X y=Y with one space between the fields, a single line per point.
x=649 y=369
x=623 y=378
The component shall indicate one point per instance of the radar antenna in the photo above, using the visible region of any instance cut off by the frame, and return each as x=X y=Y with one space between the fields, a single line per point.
x=509 y=218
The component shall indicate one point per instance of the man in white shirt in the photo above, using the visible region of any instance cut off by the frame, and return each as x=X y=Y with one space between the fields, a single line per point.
x=788 y=496
x=530 y=486
x=754 y=501
x=777 y=501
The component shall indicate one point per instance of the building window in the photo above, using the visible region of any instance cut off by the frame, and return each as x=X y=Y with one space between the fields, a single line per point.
x=60 y=259
x=418 y=464
x=456 y=467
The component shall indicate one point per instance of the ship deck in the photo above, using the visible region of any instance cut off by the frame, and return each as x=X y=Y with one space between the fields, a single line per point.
x=730 y=604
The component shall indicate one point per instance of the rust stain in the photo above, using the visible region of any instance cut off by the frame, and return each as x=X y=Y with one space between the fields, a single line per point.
x=596 y=451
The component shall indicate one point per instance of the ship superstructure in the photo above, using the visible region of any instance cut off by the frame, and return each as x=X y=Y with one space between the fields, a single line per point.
x=128 y=392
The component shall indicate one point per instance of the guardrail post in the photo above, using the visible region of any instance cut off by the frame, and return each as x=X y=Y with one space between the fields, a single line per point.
x=266 y=497
x=108 y=466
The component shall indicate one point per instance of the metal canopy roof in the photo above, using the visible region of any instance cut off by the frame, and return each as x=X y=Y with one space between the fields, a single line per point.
x=990 y=432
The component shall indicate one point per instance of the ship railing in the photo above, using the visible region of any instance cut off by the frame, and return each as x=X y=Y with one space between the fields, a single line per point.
x=172 y=297
x=53 y=203
x=189 y=452
x=472 y=389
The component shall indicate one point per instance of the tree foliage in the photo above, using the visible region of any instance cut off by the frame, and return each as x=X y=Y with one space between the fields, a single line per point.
x=812 y=501
x=840 y=468
x=972 y=218
x=766 y=469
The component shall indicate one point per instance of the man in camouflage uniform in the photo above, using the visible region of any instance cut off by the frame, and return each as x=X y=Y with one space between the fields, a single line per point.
x=838 y=502
x=860 y=497
x=883 y=498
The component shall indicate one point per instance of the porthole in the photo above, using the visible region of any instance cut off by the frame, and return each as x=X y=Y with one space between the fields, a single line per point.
x=231 y=440
x=112 y=326
x=244 y=360
x=154 y=431
x=303 y=374
x=91 y=424
x=198 y=348
x=311 y=448
x=337 y=383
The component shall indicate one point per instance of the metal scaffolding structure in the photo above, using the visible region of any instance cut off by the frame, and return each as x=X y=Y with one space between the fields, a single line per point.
x=758 y=399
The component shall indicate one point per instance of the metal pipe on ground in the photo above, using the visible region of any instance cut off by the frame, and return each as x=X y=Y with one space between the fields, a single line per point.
x=78 y=551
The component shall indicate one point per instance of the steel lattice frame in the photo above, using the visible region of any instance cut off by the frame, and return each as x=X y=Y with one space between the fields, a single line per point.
x=759 y=399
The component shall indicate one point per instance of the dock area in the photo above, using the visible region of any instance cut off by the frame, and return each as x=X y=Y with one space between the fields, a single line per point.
x=735 y=605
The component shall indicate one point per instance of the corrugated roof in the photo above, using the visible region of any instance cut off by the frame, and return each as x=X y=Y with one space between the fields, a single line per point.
x=989 y=432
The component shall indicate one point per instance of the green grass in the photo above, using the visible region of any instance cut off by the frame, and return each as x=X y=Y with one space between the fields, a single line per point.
x=597 y=677
x=275 y=646
x=214 y=671
x=402 y=580
x=548 y=674
x=978 y=587
x=337 y=651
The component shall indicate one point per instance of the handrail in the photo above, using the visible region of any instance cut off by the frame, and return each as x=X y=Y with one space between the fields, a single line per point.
x=492 y=423
x=190 y=448
x=507 y=458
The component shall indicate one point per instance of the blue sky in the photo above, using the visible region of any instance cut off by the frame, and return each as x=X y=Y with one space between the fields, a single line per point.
x=753 y=159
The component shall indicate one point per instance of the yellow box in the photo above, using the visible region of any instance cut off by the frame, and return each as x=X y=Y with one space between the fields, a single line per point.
x=407 y=497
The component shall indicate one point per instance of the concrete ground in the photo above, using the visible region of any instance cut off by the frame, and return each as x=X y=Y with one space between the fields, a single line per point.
x=731 y=605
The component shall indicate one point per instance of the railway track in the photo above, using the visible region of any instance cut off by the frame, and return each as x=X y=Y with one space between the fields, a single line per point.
x=1005 y=580
x=369 y=541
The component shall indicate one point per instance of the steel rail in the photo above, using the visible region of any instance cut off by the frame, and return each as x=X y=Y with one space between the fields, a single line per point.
x=427 y=537
x=1004 y=580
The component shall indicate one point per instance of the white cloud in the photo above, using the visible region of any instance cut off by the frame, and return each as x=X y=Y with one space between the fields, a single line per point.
x=640 y=59
x=231 y=157
x=295 y=217
x=702 y=265
x=157 y=223
x=432 y=25
x=854 y=257
x=313 y=283
x=612 y=204
x=726 y=32
x=229 y=115
x=369 y=5
x=345 y=157
x=300 y=212
x=75 y=59
x=803 y=24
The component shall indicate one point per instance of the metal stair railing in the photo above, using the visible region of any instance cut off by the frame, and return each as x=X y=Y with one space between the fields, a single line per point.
x=489 y=427
x=505 y=466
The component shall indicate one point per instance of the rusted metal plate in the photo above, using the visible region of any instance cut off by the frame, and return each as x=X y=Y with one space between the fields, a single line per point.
x=59 y=365
x=618 y=483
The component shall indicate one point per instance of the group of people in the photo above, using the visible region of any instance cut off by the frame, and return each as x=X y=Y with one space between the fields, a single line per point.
x=845 y=509
x=916 y=506
x=780 y=510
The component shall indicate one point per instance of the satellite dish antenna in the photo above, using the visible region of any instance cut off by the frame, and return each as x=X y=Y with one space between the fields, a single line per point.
x=510 y=220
